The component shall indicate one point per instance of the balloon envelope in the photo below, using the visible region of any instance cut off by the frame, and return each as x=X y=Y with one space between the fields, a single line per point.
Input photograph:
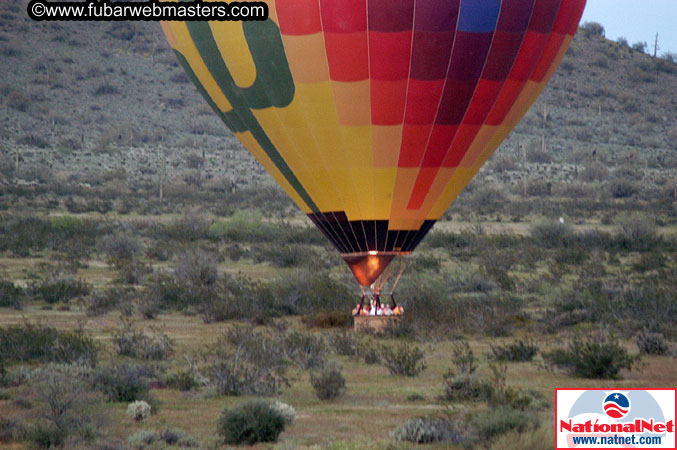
x=373 y=115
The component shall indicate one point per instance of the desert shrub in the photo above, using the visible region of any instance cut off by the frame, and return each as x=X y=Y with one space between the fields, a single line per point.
x=640 y=46
x=527 y=440
x=427 y=430
x=328 y=319
x=129 y=341
x=371 y=355
x=183 y=381
x=590 y=29
x=652 y=343
x=307 y=350
x=138 y=411
x=328 y=382
x=123 y=383
x=285 y=410
x=191 y=226
x=636 y=232
x=250 y=422
x=553 y=234
x=503 y=164
x=466 y=387
x=120 y=246
x=592 y=357
x=652 y=260
x=403 y=359
x=46 y=344
x=463 y=357
x=497 y=264
x=59 y=288
x=621 y=188
x=106 y=89
x=596 y=171
x=415 y=397
x=43 y=435
x=311 y=290
x=102 y=302
x=345 y=343
x=428 y=296
x=65 y=407
x=291 y=255
x=519 y=350
x=161 y=439
x=494 y=422
x=11 y=430
x=247 y=361
x=11 y=296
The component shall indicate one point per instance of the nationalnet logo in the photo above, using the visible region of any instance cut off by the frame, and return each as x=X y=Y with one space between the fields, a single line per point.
x=615 y=419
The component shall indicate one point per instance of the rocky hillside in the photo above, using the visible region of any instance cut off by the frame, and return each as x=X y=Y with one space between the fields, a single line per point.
x=81 y=99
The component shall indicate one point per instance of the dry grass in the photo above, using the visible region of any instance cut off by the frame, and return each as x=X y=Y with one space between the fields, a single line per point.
x=375 y=404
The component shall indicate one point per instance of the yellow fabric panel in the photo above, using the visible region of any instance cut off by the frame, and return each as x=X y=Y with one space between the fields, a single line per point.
x=386 y=141
x=314 y=116
x=185 y=46
x=480 y=143
x=359 y=159
x=404 y=184
x=357 y=141
x=363 y=180
x=384 y=181
x=353 y=103
x=232 y=44
x=280 y=137
x=456 y=184
x=255 y=149
x=302 y=49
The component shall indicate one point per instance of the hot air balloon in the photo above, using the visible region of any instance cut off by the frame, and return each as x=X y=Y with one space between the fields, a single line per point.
x=373 y=115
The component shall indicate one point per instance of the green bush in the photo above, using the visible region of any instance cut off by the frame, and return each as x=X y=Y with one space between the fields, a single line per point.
x=494 y=422
x=652 y=343
x=520 y=350
x=46 y=344
x=403 y=359
x=307 y=350
x=553 y=234
x=59 y=288
x=428 y=430
x=102 y=302
x=11 y=296
x=345 y=343
x=371 y=355
x=250 y=422
x=131 y=342
x=123 y=383
x=328 y=319
x=245 y=360
x=463 y=357
x=44 y=435
x=183 y=381
x=328 y=382
x=592 y=357
x=11 y=430
x=466 y=387
x=159 y=439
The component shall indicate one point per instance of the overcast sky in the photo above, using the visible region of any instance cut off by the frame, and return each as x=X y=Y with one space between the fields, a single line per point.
x=637 y=21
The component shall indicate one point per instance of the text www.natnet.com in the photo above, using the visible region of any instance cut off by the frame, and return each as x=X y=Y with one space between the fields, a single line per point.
x=616 y=440
x=146 y=10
